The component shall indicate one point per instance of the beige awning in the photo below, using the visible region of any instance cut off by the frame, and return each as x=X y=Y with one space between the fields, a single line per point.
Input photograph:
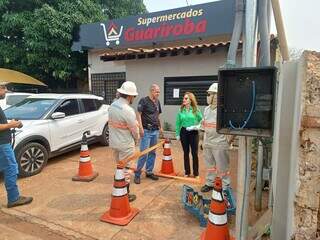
x=11 y=76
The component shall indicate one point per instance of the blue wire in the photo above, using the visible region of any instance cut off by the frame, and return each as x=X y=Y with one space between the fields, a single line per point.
x=251 y=111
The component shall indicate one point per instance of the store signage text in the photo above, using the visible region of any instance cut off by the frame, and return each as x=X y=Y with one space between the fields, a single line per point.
x=187 y=23
x=165 y=30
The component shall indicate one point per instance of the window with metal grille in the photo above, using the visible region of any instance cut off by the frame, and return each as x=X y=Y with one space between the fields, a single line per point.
x=106 y=84
x=175 y=88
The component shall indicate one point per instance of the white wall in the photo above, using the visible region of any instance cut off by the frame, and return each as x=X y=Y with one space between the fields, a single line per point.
x=145 y=72
x=98 y=66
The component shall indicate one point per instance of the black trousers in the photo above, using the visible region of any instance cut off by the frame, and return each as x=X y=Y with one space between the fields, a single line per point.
x=190 y=139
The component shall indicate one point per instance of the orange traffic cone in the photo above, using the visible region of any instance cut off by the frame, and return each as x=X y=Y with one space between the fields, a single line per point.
x=217 y=228
x=85 y=173
x=167 y=164
x=120 y=212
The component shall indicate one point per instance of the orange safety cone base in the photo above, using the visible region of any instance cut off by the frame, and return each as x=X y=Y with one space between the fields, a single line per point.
x=203 y=236
x=85 y=178
x=167 y=168
x=120 y=221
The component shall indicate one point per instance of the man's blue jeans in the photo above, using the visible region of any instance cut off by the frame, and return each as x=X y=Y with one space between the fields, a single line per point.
x=149 y=139
x=9 y=167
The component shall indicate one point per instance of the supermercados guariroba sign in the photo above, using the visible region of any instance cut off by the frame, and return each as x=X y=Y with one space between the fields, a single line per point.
x=197 y=21
x=188 y=27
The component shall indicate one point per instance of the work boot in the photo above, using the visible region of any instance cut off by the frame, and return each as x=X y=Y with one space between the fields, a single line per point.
x=132 y=197
x=152 y=176
x=136 y=180
x=206 y=188
x=21 y=201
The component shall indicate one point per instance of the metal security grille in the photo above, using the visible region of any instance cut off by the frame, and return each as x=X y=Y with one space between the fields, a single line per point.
x=175 y=87
x=106 y=84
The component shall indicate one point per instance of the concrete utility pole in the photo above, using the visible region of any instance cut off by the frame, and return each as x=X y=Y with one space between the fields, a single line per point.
x=280 y=30
x=244 y=159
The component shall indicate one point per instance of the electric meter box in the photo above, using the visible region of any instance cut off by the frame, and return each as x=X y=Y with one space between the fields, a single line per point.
x=246 y=101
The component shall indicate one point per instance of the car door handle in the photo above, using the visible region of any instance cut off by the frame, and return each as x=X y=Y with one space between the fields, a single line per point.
x=80 y=121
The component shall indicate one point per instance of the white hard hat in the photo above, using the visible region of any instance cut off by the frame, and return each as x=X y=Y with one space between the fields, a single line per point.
x=128 y=88
x=213 y=88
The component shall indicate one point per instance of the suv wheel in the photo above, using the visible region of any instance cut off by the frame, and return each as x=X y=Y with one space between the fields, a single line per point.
x=104 y=138
x=31 y=158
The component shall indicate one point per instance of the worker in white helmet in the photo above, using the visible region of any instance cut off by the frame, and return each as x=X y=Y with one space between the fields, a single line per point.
x=215 y=146
x=123 y=126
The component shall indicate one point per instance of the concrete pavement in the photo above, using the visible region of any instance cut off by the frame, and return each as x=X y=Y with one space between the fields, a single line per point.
x=72 y=209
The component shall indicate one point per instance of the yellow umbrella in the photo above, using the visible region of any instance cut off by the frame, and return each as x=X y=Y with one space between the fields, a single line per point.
x=11 y=76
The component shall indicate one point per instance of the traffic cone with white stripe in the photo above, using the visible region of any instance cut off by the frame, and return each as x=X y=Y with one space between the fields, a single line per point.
x=85 y=172
x=217 y=228
x=120 y=212
x=167 y=163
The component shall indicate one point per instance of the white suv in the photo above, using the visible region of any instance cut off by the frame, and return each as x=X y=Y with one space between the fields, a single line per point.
x=54 y=124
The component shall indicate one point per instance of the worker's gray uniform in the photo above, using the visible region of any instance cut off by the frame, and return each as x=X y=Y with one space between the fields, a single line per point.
x=123 y=130
x=215 y=147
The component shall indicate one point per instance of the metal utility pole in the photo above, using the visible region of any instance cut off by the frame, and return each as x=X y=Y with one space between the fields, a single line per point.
x=244 y=159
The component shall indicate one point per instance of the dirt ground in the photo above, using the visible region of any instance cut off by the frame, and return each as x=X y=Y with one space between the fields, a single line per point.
x=63 y=209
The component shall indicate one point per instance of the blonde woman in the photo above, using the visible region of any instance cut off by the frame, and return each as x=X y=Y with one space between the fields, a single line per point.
x=187 y=126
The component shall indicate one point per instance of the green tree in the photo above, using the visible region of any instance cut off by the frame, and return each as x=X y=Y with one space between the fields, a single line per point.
x=36 y=35
x=121 y=8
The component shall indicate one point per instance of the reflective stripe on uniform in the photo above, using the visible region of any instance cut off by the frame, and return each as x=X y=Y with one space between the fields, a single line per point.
x=117 y=125
x=84 y=159
x=167 y=158
x=218 y=219
x=209 y=125
x=119 y=192
x=123 y=126
x=119 y=174
x=217 y=196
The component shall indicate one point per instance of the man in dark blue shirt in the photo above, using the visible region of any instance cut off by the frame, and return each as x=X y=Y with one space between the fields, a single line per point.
x=149 y=109
x=8 y=163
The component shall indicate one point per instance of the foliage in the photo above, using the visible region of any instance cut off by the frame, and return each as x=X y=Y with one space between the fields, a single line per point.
x=120 y=8
x=36 y=35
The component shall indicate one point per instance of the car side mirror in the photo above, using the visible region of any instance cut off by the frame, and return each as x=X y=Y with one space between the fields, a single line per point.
x=58 y=115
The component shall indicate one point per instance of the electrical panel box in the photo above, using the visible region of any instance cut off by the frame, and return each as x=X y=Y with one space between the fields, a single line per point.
x=246 y=101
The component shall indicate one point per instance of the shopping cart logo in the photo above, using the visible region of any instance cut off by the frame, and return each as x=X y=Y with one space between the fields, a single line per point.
x=112 y=34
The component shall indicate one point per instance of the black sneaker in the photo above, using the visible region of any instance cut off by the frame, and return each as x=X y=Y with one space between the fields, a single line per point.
x=21 y=201
x=152 y=176
x=206 y=188
x=136 y=180
x=132 y=197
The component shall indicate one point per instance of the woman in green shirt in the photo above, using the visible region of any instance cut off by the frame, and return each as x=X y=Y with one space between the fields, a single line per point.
x=187 y=126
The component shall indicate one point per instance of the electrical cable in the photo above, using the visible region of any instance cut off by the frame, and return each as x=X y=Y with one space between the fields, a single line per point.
x=251 y=111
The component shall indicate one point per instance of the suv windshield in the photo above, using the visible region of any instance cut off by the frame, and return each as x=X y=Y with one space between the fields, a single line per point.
x=30 y=109
x=14 y=99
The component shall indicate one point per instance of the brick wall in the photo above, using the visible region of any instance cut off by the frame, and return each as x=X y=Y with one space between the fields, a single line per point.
x=307 y=201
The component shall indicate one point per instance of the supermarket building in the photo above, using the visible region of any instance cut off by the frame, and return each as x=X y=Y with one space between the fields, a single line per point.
x=179 y=49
